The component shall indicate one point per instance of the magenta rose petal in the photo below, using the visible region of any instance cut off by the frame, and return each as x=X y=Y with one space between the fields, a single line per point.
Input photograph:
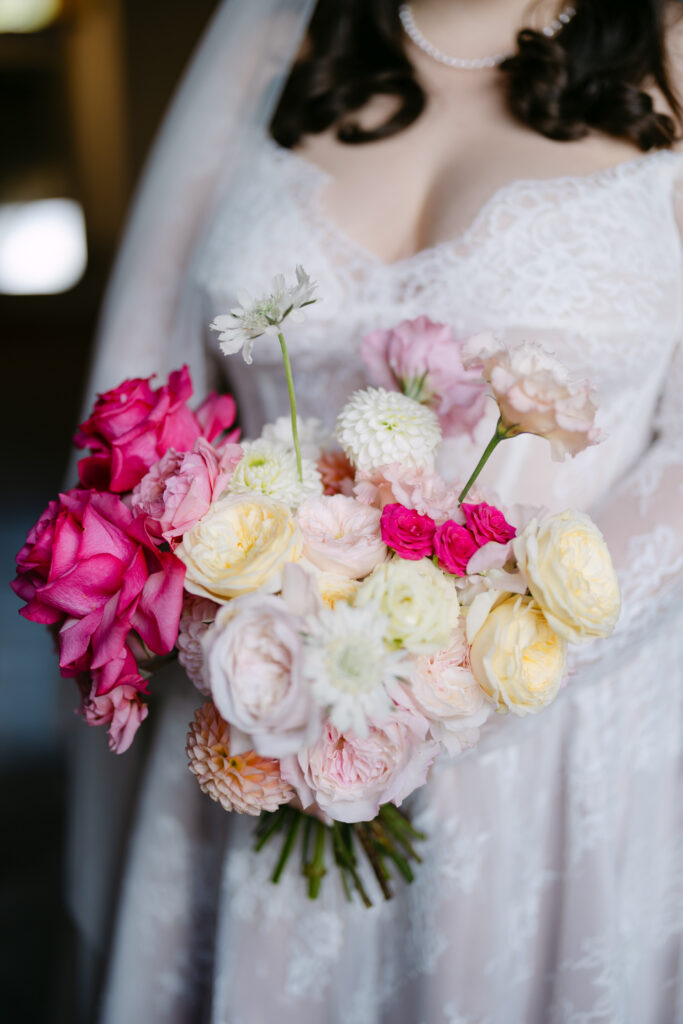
x=158 y=613
x=216 y=414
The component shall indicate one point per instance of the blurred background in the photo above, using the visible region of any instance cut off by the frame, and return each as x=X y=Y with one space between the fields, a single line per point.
x=83 y=86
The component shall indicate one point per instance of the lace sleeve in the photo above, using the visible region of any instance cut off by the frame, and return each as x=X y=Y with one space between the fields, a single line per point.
x=642 y=519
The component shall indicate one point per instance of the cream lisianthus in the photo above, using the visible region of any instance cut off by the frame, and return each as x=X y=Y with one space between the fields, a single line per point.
x=570 y=573
x=240 y=545
x=269 y=468
x=378 y=427
x=419 y=601
x=349 y=667
x=517 y=659
x=253 y=317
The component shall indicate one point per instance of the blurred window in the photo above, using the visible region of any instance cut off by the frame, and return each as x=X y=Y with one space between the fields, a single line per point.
x=27 y=15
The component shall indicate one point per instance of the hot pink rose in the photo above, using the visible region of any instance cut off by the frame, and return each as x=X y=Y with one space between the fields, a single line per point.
x=122 y=710
x=424 y=359
x=90 y=568
x=134 y=425
x=179 y=489
x=454 y=545
x=487 y=523
x=407 y=532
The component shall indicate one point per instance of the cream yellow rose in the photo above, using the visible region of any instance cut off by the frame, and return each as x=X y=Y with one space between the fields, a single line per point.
x=570 y=573
x=419 y=601
x=517 y=659
x=335 y=588
x=241 y=545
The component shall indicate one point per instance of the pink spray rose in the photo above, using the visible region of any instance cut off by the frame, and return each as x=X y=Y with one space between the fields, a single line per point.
x=121 y=709
x=407 y=532
x=90 y=568
x=179 y=489
x=350 y=777
x=132 y=426
x=487 y=523
x=424 y=359
x=341 y=535
x=454 y=545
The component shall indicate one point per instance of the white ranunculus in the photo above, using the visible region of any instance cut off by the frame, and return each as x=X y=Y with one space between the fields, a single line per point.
x=517 y=659
x=570 y=573
x=420 y=603
x=341 y=535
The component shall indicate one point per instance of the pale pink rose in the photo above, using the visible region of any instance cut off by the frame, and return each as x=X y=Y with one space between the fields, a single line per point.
x=198 y=614
x=121 y=709
x=253 y=663
x=536 y=395
x=424 y=360
x=413 y=487
x=179 y=489
x=349 y=778
x=336 y=473
x=341 y=535
x=445 y=691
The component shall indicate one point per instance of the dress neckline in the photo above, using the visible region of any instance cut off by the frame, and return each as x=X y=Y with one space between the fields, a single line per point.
x=320 y=177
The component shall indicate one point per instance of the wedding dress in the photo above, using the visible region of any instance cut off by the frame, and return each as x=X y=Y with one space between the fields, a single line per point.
x=551 y=888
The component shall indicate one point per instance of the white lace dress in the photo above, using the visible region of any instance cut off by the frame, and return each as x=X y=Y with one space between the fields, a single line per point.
x=551 y=888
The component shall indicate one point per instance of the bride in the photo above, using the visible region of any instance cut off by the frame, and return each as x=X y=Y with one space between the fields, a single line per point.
x=427 y=159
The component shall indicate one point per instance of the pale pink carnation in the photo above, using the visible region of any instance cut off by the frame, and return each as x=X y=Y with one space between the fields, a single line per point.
x=121 y=709
x=341 y=535
x=198 y=614
x=413 y=487
x=336 y=473
x=424 y=359
x=349 y=777
x=445 y=691
x=536 y=395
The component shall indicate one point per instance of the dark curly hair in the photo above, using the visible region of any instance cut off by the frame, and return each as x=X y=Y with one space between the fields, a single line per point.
x=589 y=76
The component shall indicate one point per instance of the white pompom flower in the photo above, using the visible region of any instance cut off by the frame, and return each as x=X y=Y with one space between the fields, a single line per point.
x=378 y=427
x=350 y=669
x=270 y=468
x=239 y=328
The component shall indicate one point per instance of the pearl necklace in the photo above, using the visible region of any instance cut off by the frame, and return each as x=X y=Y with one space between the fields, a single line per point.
x=406 y=15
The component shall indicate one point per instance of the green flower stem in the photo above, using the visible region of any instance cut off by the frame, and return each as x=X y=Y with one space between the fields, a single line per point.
x=268 y=826
x=292 y=405
x=371 y=852
x=501 y=433
x=316 y=869
x=287 y=847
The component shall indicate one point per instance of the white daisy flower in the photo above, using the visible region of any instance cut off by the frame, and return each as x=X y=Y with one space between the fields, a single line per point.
x=254 y=317
x=270 y=468
x=313 y=436
x=377 y=427
x=349 y=667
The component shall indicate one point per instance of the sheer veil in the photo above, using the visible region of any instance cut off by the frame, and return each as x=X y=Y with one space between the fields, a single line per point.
x=152 y=321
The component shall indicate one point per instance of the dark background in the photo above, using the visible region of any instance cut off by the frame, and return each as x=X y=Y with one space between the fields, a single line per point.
x=80 y=100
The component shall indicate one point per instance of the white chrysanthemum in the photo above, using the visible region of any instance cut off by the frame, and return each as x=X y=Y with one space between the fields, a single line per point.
x=378 y=427
x=254 y=317
x=313 y=436
x=269 y=468
x=349 y=666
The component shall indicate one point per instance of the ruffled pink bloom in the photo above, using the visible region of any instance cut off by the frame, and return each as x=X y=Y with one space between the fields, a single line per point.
x=487 y=523
x=349 y=778
x=198 y=615
x=179 y=489
x=424 y=359
x=413 y=487
x=341 y=535
x=132 y=426
x=336 y=473
x=121 y=709
x=536 y=395
x=454 y=545
x=407 y=532
x=91 y=569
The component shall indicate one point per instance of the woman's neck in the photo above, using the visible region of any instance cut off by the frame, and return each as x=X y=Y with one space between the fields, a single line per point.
x=479 y=28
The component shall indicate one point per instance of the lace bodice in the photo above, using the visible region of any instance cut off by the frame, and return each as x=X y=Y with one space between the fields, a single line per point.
x=590 y=266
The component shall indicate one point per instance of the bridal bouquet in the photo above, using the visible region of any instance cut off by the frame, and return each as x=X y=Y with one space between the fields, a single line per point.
x=349 y=614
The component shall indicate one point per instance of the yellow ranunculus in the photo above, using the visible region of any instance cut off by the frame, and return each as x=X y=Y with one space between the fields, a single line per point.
x=240 y=546
x=517 y=659
x=570 y=573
